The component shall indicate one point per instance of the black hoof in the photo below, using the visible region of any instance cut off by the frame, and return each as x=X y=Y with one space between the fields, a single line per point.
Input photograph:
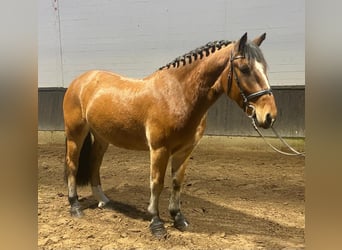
x=76 y=212
x=157 y=228
x=75 y=209
x=180 y=222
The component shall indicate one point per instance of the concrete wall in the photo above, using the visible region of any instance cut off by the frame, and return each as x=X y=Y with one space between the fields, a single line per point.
x=224 y=118
x=50 y=108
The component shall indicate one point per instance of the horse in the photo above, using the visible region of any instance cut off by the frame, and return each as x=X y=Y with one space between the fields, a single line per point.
x=163 y=113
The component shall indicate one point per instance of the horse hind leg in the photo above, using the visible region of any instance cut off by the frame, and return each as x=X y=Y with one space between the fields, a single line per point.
x=74 y=146
x=83 y=161
x=98 y=150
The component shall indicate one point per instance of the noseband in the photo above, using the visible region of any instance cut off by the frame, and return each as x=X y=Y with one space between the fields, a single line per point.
x=246 y=99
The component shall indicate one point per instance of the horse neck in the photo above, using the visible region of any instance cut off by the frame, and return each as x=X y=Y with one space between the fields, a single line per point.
x=195 y=86
x=199 y=79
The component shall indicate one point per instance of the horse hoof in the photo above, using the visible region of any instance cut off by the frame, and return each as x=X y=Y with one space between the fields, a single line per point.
x=76 y=212
x=102 y=204
x=180 y=222
x=157 y=228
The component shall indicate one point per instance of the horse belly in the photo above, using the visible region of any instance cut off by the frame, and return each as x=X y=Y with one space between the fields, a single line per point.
x=129 y=135
x=128 y=139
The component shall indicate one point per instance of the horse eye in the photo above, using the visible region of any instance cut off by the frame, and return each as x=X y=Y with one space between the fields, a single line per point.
x=245 y=69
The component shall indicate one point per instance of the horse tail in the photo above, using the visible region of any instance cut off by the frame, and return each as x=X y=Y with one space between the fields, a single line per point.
x=83 y=174
x=84 y=167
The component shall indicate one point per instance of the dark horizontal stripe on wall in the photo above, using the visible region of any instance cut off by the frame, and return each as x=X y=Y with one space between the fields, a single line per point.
x=224 y=118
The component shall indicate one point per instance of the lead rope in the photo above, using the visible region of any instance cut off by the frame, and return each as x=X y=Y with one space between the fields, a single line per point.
x=295 y=152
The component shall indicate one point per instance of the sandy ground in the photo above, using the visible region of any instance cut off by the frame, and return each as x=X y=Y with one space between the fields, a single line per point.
x=238 y=194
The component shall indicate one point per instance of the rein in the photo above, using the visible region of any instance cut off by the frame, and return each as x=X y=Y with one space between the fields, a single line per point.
x=294 y=152
x=248 y=107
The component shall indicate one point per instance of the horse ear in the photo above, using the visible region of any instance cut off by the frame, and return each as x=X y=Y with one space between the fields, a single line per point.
x=257 y=41
x=241 y=43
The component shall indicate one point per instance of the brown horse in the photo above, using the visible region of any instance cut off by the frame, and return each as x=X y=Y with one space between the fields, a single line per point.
x=164 y=113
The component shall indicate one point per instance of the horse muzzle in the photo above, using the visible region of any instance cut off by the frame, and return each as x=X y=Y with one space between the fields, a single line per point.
x=265 y=121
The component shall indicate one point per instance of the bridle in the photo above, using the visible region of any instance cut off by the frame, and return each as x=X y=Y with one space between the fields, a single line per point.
x=247 y=107
x=250 y=109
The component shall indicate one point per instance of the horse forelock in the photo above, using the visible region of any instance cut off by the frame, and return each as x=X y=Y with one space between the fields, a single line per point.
x=196 y=54
x=253 y=52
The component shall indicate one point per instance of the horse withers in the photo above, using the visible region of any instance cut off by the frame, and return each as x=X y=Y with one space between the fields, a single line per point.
x=164 y=113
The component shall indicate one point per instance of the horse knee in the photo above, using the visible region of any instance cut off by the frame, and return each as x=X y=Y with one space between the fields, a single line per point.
x=156 y=188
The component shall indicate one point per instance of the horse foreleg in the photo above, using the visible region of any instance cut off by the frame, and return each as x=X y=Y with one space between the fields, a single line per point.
x=159 y=159
x=97 y=151
x=178 y=166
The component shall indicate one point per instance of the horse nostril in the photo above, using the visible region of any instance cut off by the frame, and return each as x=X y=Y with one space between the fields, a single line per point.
x=269 y=120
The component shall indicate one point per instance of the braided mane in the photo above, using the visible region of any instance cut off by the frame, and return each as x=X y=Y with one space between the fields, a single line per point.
x=193 y=55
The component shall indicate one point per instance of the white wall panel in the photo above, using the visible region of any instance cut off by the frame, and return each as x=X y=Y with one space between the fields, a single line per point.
x=136 y=37
x=50 y=67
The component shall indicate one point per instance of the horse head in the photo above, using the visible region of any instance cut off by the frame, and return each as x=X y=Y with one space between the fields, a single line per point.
x=247 y=82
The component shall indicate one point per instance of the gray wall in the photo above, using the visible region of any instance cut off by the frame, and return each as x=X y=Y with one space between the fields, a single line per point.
x=50 y=108
x=224 y=118
x=136 y=37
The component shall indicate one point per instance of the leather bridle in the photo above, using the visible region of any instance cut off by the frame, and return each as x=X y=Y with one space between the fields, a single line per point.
x=248 y=108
